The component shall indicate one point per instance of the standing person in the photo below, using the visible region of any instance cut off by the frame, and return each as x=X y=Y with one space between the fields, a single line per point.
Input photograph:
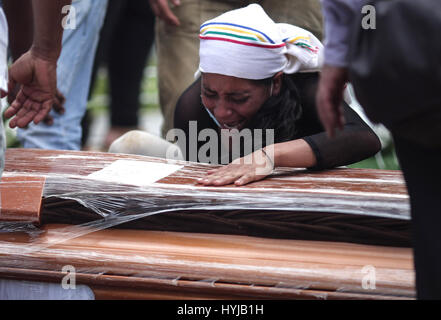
x=125 y=44
x=177 y=41
x=396 y=73
x=74 y=69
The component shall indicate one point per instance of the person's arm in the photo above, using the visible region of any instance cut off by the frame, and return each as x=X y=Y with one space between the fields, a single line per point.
x=338 y=16
x=355 y=142
x=315 y=150
x=48 y=28
x=35 y=70
x=21 y=33
x=21 y=29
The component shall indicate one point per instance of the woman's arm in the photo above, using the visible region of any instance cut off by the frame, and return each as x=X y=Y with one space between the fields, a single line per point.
x=355 y=142
x=296 y=153
x=315 y=150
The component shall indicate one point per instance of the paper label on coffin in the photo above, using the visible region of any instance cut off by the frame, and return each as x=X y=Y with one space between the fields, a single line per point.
x=137 y=173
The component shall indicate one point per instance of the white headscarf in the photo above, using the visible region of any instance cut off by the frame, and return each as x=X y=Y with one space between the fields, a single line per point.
x=246 y=43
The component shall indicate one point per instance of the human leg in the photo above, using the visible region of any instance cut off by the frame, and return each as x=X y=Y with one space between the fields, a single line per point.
x=129 y=50
x=422 y=172
x=301 y=13
x=111 y=20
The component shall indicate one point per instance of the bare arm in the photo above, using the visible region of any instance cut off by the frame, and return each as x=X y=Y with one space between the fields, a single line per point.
x=20 y=22
x=295 y=153
x=48 y=30
x=35 y=70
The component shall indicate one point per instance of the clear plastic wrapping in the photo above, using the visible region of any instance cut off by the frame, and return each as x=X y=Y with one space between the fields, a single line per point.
x=137 y=222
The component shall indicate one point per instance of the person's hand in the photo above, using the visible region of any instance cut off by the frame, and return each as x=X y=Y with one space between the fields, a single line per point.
x=38 y=92
x=58 y=105
x=253 y=167
x=330 y=96
x=162 y=10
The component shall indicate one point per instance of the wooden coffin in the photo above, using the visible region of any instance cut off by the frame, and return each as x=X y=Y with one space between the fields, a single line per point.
x=156 y=264
x=297 y=234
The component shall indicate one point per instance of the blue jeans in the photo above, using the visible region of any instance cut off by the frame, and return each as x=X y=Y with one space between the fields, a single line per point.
x=74 y=72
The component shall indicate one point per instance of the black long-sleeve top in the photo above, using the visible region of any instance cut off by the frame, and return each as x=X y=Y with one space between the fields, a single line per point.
x=354 y=143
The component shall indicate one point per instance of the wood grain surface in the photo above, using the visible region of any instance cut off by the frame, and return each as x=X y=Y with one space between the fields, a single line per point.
x=251 y=266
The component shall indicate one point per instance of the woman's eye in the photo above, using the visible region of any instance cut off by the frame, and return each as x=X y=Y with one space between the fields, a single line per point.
x=209 y=95
x=239 y=100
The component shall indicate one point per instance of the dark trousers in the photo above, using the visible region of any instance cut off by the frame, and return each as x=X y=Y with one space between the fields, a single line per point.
x=126 y=41
x=422 y=171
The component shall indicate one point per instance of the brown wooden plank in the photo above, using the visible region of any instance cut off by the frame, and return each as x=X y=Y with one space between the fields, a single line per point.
x=108 y=287
x=210 y=259
x=21 y=198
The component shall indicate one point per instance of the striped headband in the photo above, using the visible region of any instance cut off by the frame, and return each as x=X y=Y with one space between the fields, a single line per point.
x=246 y=43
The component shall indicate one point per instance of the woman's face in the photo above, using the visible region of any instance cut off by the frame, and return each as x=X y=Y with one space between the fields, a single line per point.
x=233 y=101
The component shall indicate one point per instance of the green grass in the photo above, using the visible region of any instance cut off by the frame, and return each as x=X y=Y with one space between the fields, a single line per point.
x=149 y=88
x=389 y=158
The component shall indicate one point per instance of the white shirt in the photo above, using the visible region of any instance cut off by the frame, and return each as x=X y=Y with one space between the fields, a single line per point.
x=3 y=82
x=3 y=51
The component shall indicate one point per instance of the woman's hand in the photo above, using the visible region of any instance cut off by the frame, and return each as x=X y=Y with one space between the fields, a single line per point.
x=253 y=167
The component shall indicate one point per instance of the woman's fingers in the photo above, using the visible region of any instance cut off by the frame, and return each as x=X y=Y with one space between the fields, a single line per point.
x=212 y=171
x=237 y=174
x=218 y=179
x=245 y=179
x=241 y=171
